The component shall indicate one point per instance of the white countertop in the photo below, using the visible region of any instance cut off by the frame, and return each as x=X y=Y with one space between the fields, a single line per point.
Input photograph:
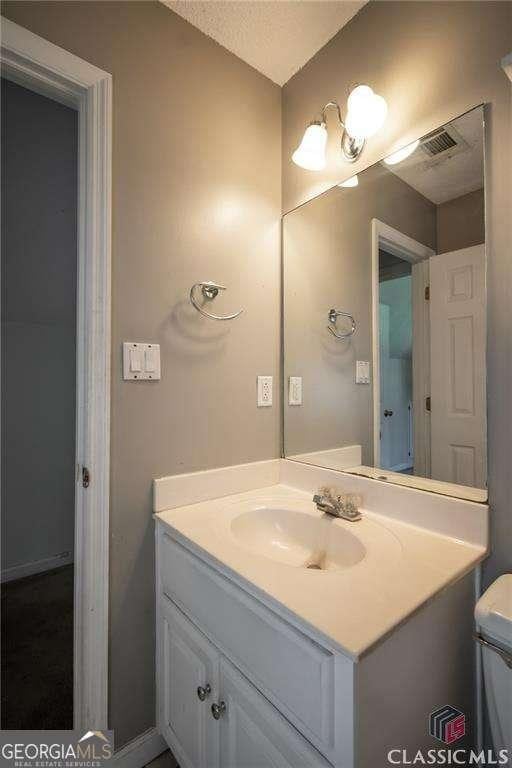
x=404 y=567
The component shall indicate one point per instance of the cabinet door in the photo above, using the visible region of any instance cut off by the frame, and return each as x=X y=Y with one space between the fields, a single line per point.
x=190 y=672
x=253 y=734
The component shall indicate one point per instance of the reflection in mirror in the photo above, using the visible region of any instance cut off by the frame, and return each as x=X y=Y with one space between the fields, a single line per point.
x=384 y=318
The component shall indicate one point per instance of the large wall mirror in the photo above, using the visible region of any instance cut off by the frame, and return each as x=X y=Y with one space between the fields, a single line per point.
x=385 y=318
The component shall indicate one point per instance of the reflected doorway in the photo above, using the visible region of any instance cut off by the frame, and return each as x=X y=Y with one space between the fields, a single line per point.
x=395 y=341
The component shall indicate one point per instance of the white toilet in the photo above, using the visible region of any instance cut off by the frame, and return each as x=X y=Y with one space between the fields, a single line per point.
x=493 y=615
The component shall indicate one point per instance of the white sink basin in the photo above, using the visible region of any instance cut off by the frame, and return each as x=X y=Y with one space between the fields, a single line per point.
x=291 y=537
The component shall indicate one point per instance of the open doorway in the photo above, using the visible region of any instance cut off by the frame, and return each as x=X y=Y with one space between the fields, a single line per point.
x=78 y=548
x=39 y=309
x=395 y=342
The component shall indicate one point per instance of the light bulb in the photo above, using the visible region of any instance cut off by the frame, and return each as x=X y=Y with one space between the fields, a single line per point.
x=401 y=154
x=358 y=96
x=366 y=112
x=310 y=154
x=352 y=182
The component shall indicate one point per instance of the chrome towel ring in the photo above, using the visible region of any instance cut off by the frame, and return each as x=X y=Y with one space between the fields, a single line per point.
x=333 y=317
x=210 y=291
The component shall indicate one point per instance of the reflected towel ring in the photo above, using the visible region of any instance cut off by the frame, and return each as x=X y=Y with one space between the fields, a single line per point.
x=210 y=291
x=333 y=316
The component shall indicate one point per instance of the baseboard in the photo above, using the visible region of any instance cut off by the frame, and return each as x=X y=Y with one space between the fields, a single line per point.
x=37 y=566
x=140 y=751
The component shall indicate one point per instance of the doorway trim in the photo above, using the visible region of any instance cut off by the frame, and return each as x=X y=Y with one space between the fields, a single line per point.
x=40 y=66
x=404 y=247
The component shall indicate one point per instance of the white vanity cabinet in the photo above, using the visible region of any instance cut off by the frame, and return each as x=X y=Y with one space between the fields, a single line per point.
x=241 y=684
x=210 y=714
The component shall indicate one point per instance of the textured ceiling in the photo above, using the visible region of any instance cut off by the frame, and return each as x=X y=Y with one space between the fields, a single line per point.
x=276 y=37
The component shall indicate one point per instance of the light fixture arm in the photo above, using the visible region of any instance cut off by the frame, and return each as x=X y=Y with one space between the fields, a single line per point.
x=351 y=148
x=337 y=108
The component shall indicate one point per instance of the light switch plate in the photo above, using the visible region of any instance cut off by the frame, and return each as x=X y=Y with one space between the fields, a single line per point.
x=141 y=361
x=362 y=372
x=264 y=391
x=295 y=390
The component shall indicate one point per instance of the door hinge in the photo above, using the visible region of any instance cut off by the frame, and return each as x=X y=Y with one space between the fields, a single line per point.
x=428 y=403
x=427 y=293
x=86 y=477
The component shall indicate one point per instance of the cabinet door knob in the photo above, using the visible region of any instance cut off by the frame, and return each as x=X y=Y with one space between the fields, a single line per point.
x=218 y=710
x=203 y=693
x=387 y=412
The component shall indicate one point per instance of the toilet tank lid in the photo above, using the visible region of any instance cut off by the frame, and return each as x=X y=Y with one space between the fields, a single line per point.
x=493 y=612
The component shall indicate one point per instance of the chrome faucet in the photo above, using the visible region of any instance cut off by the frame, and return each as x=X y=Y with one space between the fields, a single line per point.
x=338 y=504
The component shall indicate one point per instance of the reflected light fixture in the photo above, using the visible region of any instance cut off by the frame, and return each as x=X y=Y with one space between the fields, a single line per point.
x=401 y=154
x=366 y=113
x=352 y=182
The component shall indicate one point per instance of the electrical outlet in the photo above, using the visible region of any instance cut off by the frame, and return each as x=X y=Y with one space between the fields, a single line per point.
x=295 y=390
x=264 y=391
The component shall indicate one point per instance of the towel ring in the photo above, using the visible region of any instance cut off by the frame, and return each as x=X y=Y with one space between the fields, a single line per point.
x=333 y=317
x=210 y=291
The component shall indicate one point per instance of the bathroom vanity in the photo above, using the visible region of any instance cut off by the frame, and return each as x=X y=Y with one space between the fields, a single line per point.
x=286 y=637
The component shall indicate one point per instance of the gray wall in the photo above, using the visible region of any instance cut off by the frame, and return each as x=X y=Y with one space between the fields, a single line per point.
x=196 y=196
x=39 y=194
x=431 y=61
x=461 y=222
x=327 y=249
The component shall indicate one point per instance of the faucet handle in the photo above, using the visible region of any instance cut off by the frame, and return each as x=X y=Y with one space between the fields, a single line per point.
x=351 y=503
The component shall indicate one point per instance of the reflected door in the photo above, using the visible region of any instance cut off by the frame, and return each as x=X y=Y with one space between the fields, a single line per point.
x=457 y=356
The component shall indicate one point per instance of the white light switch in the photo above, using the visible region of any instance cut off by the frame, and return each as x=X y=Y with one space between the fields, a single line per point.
x=295 y=390
x=135 y=360
x=150 y=359
x=141 y=361
x=264 y=391
x=362 y=372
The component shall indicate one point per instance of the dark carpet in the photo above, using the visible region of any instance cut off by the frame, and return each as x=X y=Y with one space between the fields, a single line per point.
x=37 y=651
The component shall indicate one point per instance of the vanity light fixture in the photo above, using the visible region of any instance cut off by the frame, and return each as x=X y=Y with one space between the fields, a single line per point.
x=401 y=154
x=352 y=182
x=366 y=113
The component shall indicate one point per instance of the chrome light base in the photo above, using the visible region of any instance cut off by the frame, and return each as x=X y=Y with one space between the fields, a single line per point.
x=350 y=147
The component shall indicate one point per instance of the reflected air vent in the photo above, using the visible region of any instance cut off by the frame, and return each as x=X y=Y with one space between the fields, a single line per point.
x=438 y=142
x=445 y=142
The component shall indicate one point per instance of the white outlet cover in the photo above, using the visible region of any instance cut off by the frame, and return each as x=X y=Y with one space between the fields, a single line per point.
x=264 y=391
x=295 y=390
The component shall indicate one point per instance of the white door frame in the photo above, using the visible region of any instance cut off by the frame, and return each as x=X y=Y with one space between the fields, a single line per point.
x=398 y=244
x=34 y=63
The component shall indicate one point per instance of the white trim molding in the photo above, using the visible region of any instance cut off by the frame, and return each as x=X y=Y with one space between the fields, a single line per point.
x=22 y=570
x=37 y=64
x=404 y=247
x=141 y=751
